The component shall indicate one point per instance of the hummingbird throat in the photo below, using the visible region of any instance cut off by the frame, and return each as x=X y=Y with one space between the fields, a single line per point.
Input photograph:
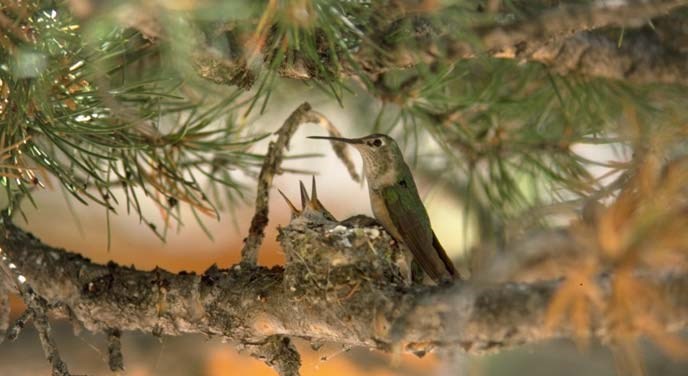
x=380 y=169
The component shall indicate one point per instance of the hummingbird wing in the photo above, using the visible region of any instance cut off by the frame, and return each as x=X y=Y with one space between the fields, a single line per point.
x=443 y=255
x=409 y=217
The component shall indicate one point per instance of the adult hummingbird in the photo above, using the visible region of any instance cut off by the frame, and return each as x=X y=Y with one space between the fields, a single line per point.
x=396 y=203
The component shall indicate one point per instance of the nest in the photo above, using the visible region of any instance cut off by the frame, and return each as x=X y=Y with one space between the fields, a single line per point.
x=334 y=260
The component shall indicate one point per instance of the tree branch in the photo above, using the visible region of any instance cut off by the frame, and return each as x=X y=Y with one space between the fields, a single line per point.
x=340 y=285
x=641 y=58
x=566 y=38
x=567 y=20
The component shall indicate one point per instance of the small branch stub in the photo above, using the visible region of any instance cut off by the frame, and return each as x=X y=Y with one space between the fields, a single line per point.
x=278 y=353
x=115 y=357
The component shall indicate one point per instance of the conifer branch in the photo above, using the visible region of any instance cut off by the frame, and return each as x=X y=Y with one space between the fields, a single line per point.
x=567 y=20
x=350 y=306
x=640 y=59
x=556 y=38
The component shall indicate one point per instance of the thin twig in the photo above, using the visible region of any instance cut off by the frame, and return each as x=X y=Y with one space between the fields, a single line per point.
x=4 y=309
x=273 y=160
x=42 y=325
x=19 y=324
x=37 y=309
x=115 y=357
x=271 y=167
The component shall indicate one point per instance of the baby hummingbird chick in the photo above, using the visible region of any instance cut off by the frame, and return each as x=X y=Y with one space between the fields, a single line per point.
x=397 y=205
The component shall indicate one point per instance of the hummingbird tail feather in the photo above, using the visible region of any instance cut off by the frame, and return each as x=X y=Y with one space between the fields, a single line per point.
x=443 y=255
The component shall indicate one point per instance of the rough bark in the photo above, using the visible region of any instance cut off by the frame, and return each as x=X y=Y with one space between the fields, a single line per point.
x=640 y=59
x=567 y=20
x=570 y=39
x=340 y=285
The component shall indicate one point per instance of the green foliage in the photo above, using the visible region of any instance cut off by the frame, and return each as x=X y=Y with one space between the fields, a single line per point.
x=508 y=131
x=92 y=118
x=150 y=100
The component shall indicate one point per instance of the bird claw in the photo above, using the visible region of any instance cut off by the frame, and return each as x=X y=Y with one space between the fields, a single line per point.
x=311 y=207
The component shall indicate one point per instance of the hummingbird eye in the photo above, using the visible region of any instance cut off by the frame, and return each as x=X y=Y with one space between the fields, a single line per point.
x=377 y=142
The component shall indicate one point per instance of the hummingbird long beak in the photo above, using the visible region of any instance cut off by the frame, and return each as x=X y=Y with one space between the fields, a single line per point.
x=353 y=141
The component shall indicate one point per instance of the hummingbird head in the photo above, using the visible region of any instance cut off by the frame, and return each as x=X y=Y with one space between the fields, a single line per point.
x=381 y=155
